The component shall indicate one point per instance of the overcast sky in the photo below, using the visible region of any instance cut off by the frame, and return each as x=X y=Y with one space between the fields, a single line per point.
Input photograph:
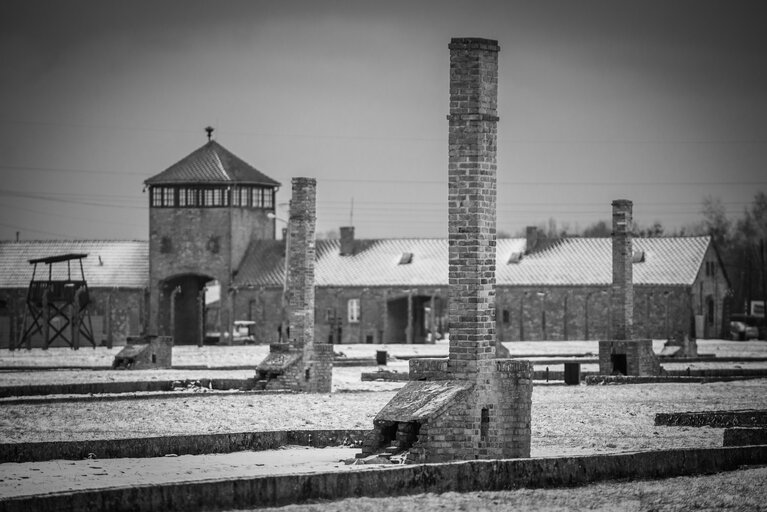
x=661 y=102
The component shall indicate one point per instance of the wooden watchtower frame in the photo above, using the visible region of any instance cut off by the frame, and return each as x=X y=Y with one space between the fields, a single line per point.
x=50 y=298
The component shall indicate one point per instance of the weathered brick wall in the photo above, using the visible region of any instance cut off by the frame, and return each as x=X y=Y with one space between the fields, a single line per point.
x=249 y=224
x=472 y=202
x=491 y=420
x=428 y=369
x=187 y=241
x=640 y=358
x=659 y=312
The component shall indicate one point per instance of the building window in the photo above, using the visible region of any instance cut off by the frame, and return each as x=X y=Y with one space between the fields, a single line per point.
x=268 y=198
x=182 y=196
x=236 y=197
x=191 y=197
x=156 y=196
x=506 y=316
x=168 y=196
x=353 y=308
x=244 y=192
x=257 y=194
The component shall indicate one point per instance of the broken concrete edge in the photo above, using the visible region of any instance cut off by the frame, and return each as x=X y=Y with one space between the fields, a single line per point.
x=396 y=480
x=592 y=380
x=194 y=444
x=84 y=388
x=714 y=419
x=744 y=436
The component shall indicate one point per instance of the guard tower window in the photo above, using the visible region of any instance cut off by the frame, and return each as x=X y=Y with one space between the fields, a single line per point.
x=191 y=197
x=258 y=199
x=156 y=196
x=168 y=196
x=268 y=198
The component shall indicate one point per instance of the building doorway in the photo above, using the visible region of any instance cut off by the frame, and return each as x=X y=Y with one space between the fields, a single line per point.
x=182 y=308
x=414 y=319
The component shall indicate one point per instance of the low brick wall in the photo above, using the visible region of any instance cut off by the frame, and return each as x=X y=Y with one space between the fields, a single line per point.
x=665 y=379
x=467 y=476
x=715 y=419
x=122 y=387
x=744 y=436
x=180 y=445
x=387 y=376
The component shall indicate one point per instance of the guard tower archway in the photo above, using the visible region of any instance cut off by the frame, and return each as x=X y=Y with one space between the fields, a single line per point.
x=182 y=306
x=57 y=304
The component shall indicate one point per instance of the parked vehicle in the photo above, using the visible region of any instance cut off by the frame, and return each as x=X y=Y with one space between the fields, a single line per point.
x=746 y=327
x=244 y=334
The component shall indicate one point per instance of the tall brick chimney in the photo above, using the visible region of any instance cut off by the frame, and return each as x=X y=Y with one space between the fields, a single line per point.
x=472 y=137
x=300 y=268
x=300 y=364
x=623 y=282
x=470 y=405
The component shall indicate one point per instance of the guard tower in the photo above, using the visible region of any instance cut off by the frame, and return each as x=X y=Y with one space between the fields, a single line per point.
x=56 y=305
x=204 y=210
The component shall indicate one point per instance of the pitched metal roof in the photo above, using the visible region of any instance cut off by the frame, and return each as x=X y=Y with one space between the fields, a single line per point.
x=567 y=262
x=588 y=261
x=110 y=263
x=212 y=163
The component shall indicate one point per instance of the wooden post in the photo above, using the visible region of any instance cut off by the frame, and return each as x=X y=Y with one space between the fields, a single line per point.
x=46 y=323
x=76 y=319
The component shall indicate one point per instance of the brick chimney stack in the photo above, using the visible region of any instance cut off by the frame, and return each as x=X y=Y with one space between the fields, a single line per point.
x=347 y=240
x=472 y=138
x=531 y=234
x=622 y=300
x=300 y=269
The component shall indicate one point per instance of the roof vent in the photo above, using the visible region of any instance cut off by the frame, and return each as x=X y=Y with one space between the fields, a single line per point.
x=515 y=257
x=637 y=257
x=406 y=258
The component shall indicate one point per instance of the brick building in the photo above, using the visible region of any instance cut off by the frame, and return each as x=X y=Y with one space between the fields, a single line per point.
x=210 y=221
x=553 y=291
x=395 y=290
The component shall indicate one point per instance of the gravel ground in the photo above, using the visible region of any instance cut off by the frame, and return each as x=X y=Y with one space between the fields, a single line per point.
x=217 y=356
x=736 y=491
x=566 y=420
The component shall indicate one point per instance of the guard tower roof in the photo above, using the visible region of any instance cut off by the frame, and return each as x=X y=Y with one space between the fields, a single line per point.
x=211 y=164
x=59 y=258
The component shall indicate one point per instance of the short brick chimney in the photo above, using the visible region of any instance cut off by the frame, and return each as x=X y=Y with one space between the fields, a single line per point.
x=347 y=240
x=531 y=234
